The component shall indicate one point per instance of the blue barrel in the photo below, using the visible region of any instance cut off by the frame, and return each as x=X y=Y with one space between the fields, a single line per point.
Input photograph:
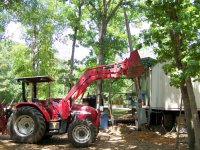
x=104 y=120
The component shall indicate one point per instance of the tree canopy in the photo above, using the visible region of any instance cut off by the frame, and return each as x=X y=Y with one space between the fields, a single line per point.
x=174 y=34
x=45 y=23
x=102 y=26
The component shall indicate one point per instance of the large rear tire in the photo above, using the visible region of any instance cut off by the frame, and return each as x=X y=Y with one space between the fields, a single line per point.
x=81 y=133
x=26 y=125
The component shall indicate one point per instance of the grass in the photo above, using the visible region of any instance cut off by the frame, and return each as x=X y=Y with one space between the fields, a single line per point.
x=121 y=111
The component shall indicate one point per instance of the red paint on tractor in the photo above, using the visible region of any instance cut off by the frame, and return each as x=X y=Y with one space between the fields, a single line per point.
x=39 y=106
x=62 y=115
x=87 y=112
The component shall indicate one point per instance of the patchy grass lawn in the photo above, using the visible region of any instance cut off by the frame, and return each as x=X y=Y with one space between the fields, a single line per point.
x=121 y=111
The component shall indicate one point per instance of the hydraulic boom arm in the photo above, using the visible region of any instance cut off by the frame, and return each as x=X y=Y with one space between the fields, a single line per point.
x=131 y=67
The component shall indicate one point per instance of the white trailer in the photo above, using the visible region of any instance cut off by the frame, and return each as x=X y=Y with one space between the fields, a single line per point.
x=160 y=99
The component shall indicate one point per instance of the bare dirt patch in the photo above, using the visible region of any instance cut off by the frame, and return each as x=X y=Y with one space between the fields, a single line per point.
x=119 y=137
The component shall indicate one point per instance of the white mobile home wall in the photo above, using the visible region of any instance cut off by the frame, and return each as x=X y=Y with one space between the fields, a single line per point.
x=162 y=101
x=163 y=96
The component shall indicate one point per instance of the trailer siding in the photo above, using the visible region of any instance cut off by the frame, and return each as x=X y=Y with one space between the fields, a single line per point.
x=158 y=92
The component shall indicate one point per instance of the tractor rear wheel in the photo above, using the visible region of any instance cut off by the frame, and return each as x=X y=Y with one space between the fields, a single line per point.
x=26 y=125
x=81 y=133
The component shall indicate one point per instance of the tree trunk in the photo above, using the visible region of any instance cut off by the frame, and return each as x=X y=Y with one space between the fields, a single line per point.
x=176 y=38
x=136 y=80
x=76 y=28
x=188 y=115
x=72 y=56
x=128 y=31
x=195 y=116
x=102 y=24
x=100 y=60
x=33 y=49
x=177 y=43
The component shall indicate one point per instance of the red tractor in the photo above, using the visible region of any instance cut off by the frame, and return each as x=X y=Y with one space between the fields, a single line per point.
x=33 y=120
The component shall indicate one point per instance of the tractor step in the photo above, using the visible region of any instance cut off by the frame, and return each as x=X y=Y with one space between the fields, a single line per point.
x=54 y=125
x=58 y=126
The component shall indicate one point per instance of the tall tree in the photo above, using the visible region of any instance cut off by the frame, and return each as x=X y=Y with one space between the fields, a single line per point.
x=39 y=19
x=102 y=12
x=175 y=34
x=130 y=43
x=6 y=74
x=74 y=16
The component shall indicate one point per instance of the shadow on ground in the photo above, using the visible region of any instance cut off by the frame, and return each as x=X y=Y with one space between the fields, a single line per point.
x=120 y=137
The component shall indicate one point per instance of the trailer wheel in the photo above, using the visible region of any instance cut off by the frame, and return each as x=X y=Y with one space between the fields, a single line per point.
x=137 y=125
x=168 y=120
x=96 y=133
x=81 y=133
x=26 y=125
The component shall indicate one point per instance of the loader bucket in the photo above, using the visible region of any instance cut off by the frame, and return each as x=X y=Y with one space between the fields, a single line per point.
x=135 y=65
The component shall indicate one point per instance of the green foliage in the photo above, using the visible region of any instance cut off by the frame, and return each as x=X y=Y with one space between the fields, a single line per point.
x=21 y=61
x=2 y=22
x=115 y=37
x=40 y=20
x=148 y=62
x=120 y=111
x=171 y=19
x=7 y=85
x=45 y=22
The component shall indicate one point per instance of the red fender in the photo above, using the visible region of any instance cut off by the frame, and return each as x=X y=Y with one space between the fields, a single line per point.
x=38 y=106
x=84 y=111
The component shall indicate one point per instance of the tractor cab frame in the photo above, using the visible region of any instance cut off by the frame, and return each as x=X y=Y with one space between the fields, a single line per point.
x=34 y=81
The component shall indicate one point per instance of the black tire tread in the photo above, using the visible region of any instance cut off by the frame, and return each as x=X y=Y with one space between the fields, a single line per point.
x=83 y=122
x=38 y=133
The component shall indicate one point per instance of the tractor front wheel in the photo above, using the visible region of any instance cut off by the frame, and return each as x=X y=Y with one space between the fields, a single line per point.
x=81 y=133
x=26 y=125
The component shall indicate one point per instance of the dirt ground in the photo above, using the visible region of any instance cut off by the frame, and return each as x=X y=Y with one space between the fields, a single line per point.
x=119 y=137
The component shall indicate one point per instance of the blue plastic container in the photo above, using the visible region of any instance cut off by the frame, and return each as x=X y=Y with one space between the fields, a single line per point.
x=104 y=121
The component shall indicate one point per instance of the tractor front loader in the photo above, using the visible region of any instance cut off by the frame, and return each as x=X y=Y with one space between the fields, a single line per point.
x=34 y=119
